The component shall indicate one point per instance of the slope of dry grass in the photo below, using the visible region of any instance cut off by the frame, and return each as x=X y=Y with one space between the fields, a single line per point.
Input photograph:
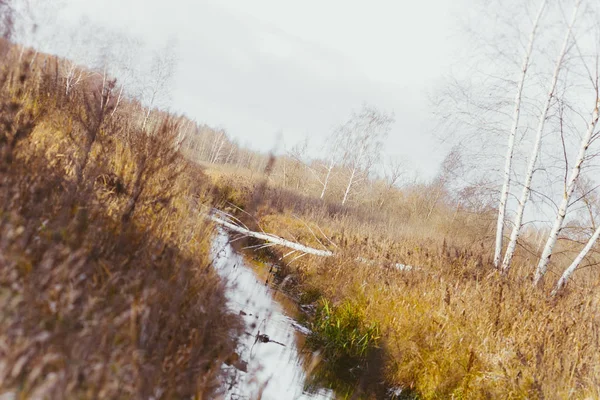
x=106 y=288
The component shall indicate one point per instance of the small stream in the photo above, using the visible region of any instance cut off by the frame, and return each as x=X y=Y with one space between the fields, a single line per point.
x=271 y=367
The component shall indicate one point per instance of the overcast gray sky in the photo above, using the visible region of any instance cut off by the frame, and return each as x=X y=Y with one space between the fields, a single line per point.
x=261 y=67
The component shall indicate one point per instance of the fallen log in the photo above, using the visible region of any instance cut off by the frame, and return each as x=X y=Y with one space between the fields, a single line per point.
x=276 y=240
x=271 y=238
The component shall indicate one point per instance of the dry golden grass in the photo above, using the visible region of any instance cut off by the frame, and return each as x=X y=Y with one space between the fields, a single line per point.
x=453 y=328
x=106 y=287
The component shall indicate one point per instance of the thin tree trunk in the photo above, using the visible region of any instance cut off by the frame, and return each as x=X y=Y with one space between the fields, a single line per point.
x=270 y=238
x=456 y=211
x=540 y=241
x=213 y=147
x=68 y=84
x=118 y=101
x=331 y=165
x=225 y=220
x=149 y=109
x=146 y=118
x=33 y=58
x=232 y=147
x=354 y=168
x=435 y=201
x=203 y=146
x=511 y=141
x=591 y=213
x=562 y=211
x=562 y=282
x=218 y=153
x=349 y=186
x=216 y=148
x=518 y=221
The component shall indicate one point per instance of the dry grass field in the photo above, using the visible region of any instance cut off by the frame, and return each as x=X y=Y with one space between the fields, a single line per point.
x=452 y=327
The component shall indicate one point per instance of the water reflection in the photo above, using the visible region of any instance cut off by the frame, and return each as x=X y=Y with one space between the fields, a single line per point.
x=271 y=364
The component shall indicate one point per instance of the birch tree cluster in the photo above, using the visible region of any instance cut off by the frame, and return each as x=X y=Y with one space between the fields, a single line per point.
x=526 y=114
x=351 y=163
x=351 y=175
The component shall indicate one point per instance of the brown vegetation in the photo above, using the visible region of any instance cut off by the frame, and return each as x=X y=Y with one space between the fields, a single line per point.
x=106 y=287
x=450 y=328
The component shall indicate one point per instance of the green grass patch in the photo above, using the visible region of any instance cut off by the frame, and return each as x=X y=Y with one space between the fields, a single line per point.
x=342 y=332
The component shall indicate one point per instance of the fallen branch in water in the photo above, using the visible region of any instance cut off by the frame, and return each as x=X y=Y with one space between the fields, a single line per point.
x=226 y=221
x=270 y=238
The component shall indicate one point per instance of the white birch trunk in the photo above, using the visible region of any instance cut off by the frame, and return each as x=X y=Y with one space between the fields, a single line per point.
x=73 y=77
x=329 y=169
x=562 y=211
x=232 y=147
x=355 y=166
x=150 y=106
x=435 y=201
x=146 y=118
x=276 y=240
x=215 y=148
x=182 y=134
x=511 y=141
x=347 y=192
x=518 y=221
x=118 y=101
x=69 y=79
x=218 y=153
x=562 y=282
x=33 y=59
x=271 y=238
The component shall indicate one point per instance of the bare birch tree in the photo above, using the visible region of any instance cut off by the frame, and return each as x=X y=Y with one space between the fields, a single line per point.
x=394 y=172
x=217 y=146
x=119 y=54
x=511 y=138
x=324 y=170
x=361 y=140
x=518 y=220
x=79 y=55
x=449 y=171
x=157 y=89
x=298 y=165
x=334 y=157
x=586 y=141
x=562 y=282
